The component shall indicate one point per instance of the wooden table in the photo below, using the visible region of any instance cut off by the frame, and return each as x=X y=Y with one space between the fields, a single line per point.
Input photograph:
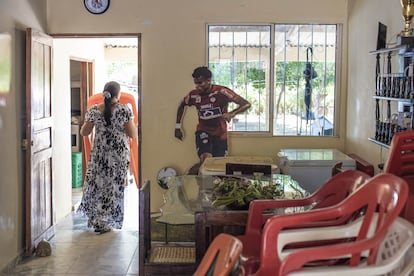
x=209 y=224
x=189 y=200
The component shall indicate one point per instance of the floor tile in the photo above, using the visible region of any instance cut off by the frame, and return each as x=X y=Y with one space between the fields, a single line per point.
x=77 y=250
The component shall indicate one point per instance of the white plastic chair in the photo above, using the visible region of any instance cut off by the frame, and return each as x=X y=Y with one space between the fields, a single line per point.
x=393 y=257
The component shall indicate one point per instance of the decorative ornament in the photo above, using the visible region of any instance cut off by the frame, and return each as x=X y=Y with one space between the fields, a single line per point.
x=407 y=14
x=107 y=95
x=164 y=176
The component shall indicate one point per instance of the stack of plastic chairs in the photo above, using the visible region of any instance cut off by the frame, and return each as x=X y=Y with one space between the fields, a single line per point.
x=358 y=247
x=128 y=99
x=400 y=162
x=332 y=192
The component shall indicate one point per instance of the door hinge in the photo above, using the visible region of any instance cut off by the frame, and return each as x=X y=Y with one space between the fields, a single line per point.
x=24 y=144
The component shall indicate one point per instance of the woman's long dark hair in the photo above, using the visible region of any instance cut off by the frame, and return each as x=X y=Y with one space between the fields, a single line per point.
x=111 y=90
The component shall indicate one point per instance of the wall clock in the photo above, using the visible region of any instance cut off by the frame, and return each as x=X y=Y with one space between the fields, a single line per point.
x=96 y=6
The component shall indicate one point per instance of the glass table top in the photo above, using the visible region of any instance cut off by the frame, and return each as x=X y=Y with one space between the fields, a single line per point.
x=188 y=194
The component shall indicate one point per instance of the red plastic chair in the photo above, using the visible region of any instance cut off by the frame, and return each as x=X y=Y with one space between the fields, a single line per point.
x=400 y=162
x=222 y=257
x=353 y=244
x=332 y=192
x=125 y=98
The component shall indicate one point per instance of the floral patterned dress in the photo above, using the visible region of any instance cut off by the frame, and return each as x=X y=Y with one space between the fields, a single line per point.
x=103 y=195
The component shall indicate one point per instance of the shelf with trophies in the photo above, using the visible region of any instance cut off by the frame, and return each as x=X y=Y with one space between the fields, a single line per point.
x=394 y=81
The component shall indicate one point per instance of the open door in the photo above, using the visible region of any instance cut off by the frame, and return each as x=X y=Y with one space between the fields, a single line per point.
x=81 y=88
x=40 y=209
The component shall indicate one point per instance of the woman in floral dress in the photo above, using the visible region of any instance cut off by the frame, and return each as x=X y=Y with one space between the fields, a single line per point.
x=103 y=194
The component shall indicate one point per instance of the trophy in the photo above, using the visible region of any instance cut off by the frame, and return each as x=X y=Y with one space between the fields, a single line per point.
x=406 y=36
x=407 y=14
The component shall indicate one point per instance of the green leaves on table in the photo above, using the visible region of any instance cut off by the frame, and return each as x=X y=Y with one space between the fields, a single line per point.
x=236 y=193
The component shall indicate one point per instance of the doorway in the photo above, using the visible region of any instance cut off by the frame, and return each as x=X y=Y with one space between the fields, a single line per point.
x=81 y=72
x=94 y=60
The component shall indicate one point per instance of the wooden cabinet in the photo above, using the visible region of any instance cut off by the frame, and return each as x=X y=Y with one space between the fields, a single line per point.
x=393 y=93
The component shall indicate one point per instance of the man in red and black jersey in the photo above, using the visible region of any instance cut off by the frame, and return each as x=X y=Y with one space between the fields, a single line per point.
x=212 y=102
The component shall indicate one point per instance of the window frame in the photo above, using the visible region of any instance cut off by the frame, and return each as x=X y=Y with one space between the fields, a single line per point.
x=338 y=79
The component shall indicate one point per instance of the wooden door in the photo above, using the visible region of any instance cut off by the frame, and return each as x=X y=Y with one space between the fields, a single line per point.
x=86 y=90
x=40 y=211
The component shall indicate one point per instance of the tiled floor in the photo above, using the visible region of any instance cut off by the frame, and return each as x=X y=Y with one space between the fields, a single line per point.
x=77 y=250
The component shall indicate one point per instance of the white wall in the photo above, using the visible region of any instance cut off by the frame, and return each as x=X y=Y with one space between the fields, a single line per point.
x=363 y=21
x=64 y=50
x=15 y=17
x=173 y=44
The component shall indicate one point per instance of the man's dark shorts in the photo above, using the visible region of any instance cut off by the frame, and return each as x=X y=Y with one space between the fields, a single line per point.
x=211 y=144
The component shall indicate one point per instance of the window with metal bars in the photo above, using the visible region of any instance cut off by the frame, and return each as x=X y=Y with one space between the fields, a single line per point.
x=288 y=72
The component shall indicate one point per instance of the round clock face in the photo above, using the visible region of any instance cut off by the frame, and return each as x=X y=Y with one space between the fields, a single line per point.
x=96 y=6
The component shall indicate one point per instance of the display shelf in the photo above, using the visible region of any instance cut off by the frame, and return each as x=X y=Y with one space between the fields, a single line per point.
x=394 y=93
x=394 y=99
x=378 y=142
x=392 y=50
